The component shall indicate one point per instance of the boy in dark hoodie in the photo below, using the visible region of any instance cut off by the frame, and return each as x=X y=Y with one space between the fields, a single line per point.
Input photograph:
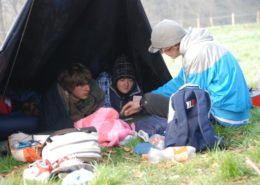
x=122 y=86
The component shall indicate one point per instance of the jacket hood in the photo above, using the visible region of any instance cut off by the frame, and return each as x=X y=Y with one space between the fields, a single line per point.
x=136 y=90
x=193 y=37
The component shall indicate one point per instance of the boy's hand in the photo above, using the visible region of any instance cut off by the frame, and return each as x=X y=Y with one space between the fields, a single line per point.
x=131 y=108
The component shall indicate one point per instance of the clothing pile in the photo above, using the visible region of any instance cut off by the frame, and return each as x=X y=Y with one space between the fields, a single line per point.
x=111 y=129
x=67 y=154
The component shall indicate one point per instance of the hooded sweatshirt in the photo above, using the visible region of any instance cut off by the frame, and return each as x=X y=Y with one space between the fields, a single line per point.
x=212 y=67
x=113 y=97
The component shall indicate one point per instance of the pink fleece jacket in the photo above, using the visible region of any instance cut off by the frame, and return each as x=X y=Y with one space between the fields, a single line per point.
x=111 y=130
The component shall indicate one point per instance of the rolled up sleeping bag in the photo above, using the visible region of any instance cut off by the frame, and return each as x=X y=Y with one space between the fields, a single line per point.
x=15 y=122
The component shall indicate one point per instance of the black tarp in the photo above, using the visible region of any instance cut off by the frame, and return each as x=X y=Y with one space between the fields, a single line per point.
x=52 y=33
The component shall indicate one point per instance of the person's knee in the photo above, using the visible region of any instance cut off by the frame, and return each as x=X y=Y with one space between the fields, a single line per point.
x=155 y=104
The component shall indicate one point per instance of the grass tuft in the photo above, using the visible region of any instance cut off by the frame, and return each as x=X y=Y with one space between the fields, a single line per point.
x=7 y=163
x=231 y=167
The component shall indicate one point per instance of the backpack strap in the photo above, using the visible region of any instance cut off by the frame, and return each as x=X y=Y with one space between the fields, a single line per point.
x=180 y=114
x=69 y=130
x=207 y=131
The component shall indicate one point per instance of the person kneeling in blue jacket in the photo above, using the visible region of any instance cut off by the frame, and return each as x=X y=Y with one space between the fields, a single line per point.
x=205 y=63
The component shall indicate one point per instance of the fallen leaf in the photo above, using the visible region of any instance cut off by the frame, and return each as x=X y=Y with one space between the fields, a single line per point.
x=126 y=149
x=204 y=155
x=138 y=174
x=167 y=164
x=186 y=183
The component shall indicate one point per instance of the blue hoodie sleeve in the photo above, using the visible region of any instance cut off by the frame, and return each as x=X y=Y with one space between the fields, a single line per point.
x=171 y=86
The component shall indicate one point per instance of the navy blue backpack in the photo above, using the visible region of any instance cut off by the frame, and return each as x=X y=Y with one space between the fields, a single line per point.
x=190 y=124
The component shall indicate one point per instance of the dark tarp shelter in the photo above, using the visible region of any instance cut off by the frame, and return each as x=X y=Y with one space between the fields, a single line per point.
x=50 y=34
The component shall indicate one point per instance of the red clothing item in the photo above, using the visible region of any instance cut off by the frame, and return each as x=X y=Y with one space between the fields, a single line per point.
x=5 y=105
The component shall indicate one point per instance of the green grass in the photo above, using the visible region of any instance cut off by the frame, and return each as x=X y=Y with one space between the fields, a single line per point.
x=214 y=167
x=7 y=163
x=121 y=166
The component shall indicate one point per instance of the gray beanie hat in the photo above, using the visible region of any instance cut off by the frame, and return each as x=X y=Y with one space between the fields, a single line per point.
x=165 y=34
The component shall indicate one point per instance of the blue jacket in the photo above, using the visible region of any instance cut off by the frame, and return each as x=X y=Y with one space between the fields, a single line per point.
x=214 y=69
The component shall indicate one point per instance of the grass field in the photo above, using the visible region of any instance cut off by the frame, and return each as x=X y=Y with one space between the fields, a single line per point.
x=120 y=166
